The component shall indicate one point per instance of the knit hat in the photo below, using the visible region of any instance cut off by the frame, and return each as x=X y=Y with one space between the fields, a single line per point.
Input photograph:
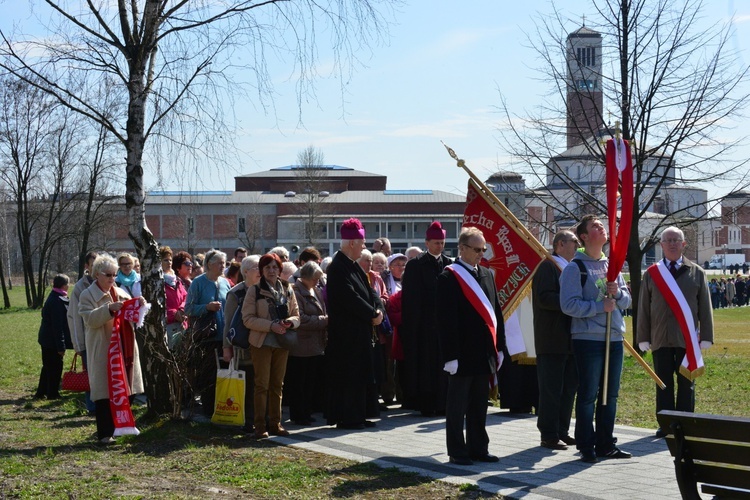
x=396 y=256
x=352 y=229
x=435 y=232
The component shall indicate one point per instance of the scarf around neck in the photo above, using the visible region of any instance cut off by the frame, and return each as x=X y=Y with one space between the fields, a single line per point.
x=126 y=280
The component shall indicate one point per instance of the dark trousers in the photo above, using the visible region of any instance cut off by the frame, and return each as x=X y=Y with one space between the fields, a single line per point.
x=667 y=362
x=202 y=369
x=558 y=382
x=467 y=400
x=303 y=374
x=49 y=378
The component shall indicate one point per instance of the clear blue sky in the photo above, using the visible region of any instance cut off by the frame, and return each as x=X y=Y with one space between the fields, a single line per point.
x=439 y=78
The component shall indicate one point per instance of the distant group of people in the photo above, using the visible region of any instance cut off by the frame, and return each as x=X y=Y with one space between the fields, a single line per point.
x=730 y=292
x=352 y=334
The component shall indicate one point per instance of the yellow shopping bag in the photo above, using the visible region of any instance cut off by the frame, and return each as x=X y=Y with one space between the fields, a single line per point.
x=229 y=408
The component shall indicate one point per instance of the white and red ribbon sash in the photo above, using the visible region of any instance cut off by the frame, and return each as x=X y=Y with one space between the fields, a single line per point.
x=479 y=301
x=118 y=379
x=692 y=363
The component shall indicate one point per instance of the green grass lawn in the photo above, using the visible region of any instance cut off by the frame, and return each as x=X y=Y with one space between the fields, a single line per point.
x=47 y=449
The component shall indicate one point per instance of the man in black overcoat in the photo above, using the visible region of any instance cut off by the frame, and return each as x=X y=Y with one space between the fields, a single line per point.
x=555 y=366
x=469 y=347
x=353 y=310
x=426 y=384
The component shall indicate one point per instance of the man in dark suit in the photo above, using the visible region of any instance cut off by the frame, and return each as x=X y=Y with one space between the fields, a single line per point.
x=555 y=366
x=426 y=383
x=472 y=333
x=353 y=310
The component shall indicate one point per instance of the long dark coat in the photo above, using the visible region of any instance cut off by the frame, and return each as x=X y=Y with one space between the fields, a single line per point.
x=352 y=303
x=419 y=329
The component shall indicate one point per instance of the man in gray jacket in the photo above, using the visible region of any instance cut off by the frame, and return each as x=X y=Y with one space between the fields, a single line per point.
x=659 y=330
x=587 y=296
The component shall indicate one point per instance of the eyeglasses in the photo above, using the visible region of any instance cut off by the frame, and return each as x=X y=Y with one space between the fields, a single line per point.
x=109 y=275
x=574 y=241
x=671 y=241
x=477 y=250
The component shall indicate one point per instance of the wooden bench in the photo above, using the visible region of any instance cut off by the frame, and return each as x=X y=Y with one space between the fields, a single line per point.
x=709 y=449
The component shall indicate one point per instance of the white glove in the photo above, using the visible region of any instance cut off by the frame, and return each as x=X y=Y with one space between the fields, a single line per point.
x=451 y=367
x=706 y=344
x=644 y=346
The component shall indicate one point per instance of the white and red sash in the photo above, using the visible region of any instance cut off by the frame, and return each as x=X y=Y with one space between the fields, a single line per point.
x=479 y=301
x=692 y=364
x=119 y=365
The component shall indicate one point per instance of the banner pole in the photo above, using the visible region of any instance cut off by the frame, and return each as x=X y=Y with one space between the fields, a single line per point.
x=513 y=219
x=607 y=342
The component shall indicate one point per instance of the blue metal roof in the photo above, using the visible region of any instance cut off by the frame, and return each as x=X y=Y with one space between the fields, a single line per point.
x=318 y=167
x=190 y=193
x=407 y=192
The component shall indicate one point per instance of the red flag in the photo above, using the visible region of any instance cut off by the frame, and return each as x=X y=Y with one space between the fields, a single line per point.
x=619 y=171
x=512 y=251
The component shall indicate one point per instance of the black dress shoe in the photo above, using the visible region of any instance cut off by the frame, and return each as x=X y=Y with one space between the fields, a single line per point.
x=660 y=433
x=589 y=457
x=460 y=461
x=485 y=458
x=569 y=440
x=350 y=426
x=553 y=445
x=615 y=453
x=369 y=423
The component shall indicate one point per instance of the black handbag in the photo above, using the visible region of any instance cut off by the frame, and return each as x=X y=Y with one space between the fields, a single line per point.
x=239 y=335
x=205 y=326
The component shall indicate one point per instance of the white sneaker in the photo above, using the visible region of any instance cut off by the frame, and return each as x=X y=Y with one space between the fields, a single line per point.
x=108 y=440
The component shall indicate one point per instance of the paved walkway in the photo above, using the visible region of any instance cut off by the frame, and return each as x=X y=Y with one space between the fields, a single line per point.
x=405 y=440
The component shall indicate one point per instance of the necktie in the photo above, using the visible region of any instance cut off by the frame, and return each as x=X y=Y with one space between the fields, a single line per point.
x=673 y=267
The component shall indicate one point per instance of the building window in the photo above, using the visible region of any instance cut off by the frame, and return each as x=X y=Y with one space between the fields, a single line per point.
x=191 y=225
x=241 y=225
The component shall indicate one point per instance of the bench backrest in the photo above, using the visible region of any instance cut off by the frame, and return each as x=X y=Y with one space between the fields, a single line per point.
x=717 y=446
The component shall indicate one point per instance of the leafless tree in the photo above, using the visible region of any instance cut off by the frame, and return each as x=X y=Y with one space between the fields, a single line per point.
x=674 y=85
x=311 y=189
x=176 y=64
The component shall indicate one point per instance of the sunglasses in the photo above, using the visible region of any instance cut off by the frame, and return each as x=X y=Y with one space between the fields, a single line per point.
x=477 y=250
x=187 y=263
x=109 y=275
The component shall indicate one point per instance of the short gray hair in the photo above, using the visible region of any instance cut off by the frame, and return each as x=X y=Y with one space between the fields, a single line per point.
x=248 y=262
x=310 y=271
x=211 y=255
x=103 y=263
x=673 y=229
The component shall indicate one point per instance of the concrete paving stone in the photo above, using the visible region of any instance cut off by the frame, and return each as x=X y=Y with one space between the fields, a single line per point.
x=412 y=443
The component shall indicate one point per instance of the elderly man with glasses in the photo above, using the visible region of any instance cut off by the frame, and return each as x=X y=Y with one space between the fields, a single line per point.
x=472 y=333
x=555 y=365
x=658 y=328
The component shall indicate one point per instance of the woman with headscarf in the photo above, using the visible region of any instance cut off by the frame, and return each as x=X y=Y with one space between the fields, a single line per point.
x=97 y=306
x=269 y=307
x=207 y=296
x=235 y=297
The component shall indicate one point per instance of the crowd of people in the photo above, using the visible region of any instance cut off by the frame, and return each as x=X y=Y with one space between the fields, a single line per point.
x=730 y=292
x=351 y=335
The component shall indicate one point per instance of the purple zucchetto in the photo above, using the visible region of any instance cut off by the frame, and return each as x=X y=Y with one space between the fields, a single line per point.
x=352 y=229
x=435 y=232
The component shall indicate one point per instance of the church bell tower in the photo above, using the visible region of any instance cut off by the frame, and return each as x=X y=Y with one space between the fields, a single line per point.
x=584 y=97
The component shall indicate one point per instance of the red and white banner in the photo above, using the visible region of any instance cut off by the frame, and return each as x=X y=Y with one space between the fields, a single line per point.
x=692 y=364
x=513 y=253
x=619 y=172
x=120 y=365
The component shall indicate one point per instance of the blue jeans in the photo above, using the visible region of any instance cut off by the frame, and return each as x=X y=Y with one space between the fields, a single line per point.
x=589 y=356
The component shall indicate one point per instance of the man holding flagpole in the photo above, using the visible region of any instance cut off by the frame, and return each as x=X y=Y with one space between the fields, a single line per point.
x=587 y=296
x=472 y=334
x=675 y=321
